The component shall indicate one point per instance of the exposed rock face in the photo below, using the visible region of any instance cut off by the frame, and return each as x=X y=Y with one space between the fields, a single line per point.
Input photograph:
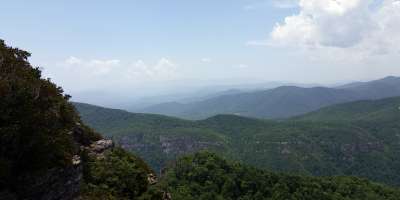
x=183 y=145
x=152 y=179
x=101 y=145
x=136 y=143
x=98 y=148
x=60 y=183
x=167 y=196
x=349 y=150
x=344 y=148
x=166 y=148
x=56 y=183
x=76 y=160
x=170 y=146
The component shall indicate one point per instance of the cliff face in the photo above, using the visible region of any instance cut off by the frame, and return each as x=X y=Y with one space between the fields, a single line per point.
x=66 y=183
x=61 y=183
x=158 y=151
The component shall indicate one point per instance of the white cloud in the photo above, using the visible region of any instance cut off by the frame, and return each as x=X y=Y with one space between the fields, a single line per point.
x=90 y=67
x=338 y=39
x=73 y=61
x=102 y=67
x=241 y=66
x=104 y=62
x=346 y=24
x=77 y=74
x=275 y=3
x=206 y=60
x=164 y=69
x=285 y=3
x=337 y=23
x=332 y=7
x=254 y=6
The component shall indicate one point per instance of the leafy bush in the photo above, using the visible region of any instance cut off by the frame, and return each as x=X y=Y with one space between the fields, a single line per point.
x=40 y=132
x=36 y=119
x=119 y=175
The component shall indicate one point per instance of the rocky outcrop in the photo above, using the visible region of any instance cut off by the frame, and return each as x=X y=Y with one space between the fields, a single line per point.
x=152 y=179
x=101 y=145
x=184 y=145
x=350 y=150
x=60 y=183
x=98 y=148
x=167 y=196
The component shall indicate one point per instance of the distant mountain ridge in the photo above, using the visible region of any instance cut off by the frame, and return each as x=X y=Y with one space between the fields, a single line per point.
x=280 y=102
x=363 y=110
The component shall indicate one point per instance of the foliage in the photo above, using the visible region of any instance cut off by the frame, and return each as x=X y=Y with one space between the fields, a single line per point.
x=119 y=175
x=40 y=132
x=35 y=119
x=366 y=110
x=206 y=176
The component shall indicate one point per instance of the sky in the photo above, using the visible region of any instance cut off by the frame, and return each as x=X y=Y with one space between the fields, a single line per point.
x=141 y=46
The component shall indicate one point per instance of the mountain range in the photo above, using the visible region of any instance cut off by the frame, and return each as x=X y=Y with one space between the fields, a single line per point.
x=360 y=138
x=280 y=102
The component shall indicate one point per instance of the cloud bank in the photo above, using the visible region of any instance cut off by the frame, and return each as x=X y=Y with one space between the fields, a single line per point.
x=365 y=25
x=163 y=70
x=74 y=73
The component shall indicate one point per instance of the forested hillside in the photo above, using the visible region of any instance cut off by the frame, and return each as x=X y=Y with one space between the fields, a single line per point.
x=205 y=176
x=365 y=110
x=156 y=138
x=339 y=145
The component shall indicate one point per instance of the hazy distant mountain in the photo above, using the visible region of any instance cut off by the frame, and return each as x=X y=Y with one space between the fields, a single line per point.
x=281 y=102
x=382 y=88
x=387 y=109
x=192 y=94
x=199 y=95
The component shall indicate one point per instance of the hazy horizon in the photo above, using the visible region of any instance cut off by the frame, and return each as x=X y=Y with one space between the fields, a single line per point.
x=136 y=49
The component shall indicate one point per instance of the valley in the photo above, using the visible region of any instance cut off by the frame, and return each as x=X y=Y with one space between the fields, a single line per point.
x=359 y=138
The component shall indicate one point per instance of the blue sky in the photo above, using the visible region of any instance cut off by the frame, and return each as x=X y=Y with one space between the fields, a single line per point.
x=87 y=45
x=136 y=29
